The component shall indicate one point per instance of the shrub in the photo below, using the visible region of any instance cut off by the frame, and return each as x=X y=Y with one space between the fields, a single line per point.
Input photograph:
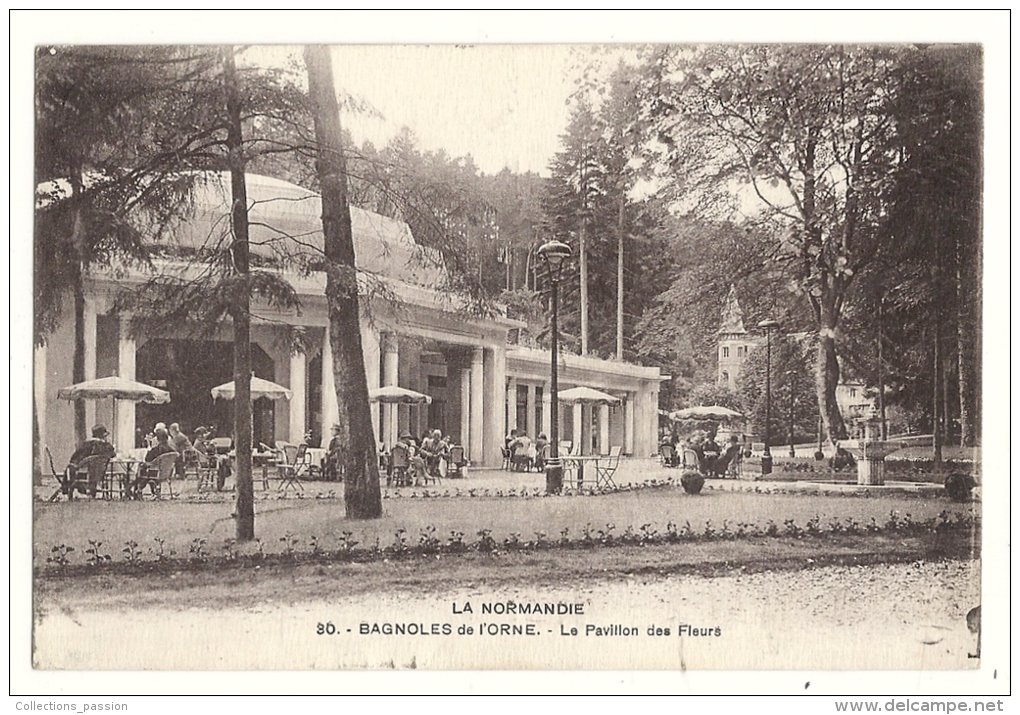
x=692 y=482
x=958 y=486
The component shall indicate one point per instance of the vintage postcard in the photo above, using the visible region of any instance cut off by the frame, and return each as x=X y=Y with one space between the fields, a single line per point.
x=644 y=355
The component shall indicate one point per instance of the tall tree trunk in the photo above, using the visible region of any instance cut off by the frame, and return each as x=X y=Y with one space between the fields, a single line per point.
x=937 y=416
x=583 y=252
x=827 y=376
x=78 y=288
x=360 y=458
x=619 y=282
x=881 y=370
x=241 y=309
x=968 y=292
x=78 y=359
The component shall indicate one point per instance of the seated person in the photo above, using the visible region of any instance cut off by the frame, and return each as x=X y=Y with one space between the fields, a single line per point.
x=97 y=445
x=842 y=459
x=521 y=457
x=201 y=443
x=147 y=476
x=710 y=451
x=541 y=451
x=732 y=453
x=433 y=449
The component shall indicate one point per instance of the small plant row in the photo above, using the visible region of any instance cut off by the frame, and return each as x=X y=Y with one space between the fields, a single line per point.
x=200 y=553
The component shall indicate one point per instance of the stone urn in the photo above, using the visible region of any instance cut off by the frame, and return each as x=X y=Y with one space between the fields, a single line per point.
x=870 y=453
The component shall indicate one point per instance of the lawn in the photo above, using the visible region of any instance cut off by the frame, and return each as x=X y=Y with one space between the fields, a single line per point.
x=178 y=524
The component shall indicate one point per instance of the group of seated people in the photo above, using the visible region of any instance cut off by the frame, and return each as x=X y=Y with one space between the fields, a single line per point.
x=428 y=457
x=161 y=440
x=712 y=459
x=524 y=455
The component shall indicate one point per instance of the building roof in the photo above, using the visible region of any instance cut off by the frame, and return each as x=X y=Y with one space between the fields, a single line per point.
x=286 y=226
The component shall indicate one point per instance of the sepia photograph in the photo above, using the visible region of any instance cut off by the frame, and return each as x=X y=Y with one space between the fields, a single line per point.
x=508 y=356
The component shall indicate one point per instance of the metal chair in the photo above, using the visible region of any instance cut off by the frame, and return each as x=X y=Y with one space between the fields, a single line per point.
x=605 y=468
x=62 y=479
x=667 y=455
x=456 y=462
x=154 y=474
x=292 y=467
x=507 y=458
x=90 y=476
x=400 y=463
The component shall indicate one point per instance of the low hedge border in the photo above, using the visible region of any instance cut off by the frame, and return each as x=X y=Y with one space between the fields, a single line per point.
x=96 y=556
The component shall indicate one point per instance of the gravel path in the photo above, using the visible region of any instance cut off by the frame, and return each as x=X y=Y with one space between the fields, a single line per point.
x=888 y=616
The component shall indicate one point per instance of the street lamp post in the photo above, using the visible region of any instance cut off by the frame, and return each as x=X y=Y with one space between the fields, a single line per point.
x=789 y=382
x=766 y=457
x=553 y=253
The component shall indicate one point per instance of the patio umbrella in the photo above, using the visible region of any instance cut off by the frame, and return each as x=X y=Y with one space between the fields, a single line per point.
x=587 y=396
x=119 y=388
x=259 y=388
x=706 y=412
x=394 y=395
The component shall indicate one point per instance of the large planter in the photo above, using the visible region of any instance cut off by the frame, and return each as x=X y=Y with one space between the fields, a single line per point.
x=692 y=482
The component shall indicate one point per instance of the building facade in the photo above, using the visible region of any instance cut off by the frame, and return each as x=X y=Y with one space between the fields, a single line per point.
x=413 y=333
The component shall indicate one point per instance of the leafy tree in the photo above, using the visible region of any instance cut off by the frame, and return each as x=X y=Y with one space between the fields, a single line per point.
x=808 y=132
x=106 y=175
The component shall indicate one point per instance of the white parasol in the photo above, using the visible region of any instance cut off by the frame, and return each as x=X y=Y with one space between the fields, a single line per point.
x=259 y=388
x=394 y=395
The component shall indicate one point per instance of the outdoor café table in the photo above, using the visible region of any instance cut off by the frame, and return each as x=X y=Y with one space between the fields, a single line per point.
x=125 y=470
x=576 y=462
x=258 y=459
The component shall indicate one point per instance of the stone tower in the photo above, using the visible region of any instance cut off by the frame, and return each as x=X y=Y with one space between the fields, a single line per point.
x=733 y=343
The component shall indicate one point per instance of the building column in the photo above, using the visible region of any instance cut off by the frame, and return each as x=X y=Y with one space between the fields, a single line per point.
x=578 y=435
x=652 y=432
x=390 y=377
x=494 y=422
x=510 y=409
x=465 y=410
x=628 y=424
x=603 y=429
x=477 y=406
x=330 y=409
x=298 y=365
x=532 y=422
x=90 y=360
x=124 y=430
x=370 y=351
x=39 y=365
x=547 y=411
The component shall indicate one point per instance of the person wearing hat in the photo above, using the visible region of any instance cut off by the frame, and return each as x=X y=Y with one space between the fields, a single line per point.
x=97 y=445
x=162 y=446
x=331 y=470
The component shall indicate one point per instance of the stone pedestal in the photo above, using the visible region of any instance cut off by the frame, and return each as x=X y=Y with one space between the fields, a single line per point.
x=871 y=461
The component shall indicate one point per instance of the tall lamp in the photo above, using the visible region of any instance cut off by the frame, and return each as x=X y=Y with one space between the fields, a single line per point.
x=768 y=326
x=553 y=253
x=790 y=375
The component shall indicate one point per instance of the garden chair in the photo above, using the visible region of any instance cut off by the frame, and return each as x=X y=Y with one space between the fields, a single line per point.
x=667 y=455
x=63 y=481
x=735 y=468
x=692 y=460
x=93 y=472
x=456 y=462
x=400 y=462
x=293 y=467
x=155 y=474
x=507 y=458
x=606 y=467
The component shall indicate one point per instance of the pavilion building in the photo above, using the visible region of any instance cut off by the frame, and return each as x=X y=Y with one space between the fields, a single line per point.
x=414 y=333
